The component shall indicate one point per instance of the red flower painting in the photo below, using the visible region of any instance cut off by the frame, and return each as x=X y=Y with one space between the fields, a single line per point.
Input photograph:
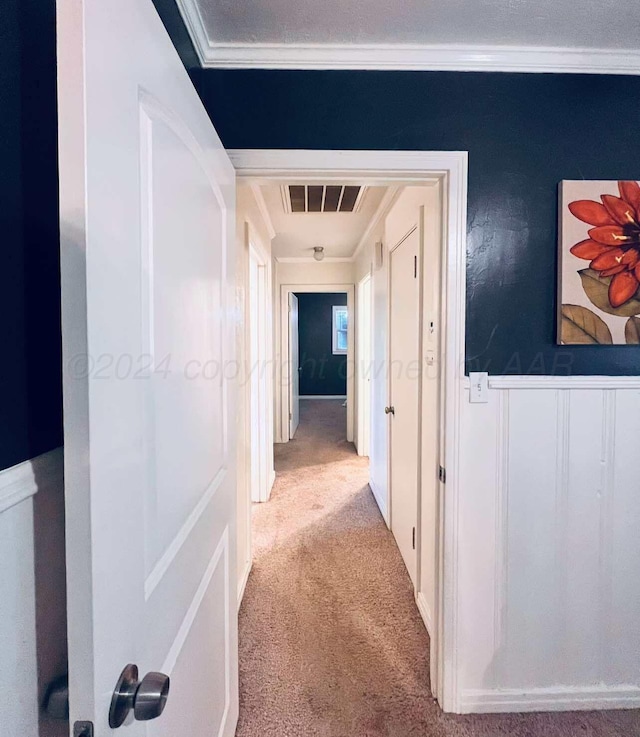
x=613 y=245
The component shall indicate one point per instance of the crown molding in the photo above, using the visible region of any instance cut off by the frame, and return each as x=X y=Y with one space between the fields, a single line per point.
x=403 y=57
x=311 y=260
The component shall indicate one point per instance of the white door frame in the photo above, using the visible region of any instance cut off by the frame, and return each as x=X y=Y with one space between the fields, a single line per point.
x=263 y=364
x=412 y=167
x=285 y=291
x=363 y=357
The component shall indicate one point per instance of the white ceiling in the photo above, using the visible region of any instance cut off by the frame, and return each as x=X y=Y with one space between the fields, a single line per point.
x=574 y=23
x=339 y=233
x=525 y=35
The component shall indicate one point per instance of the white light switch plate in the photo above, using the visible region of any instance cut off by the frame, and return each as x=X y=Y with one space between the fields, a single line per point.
x=479 y=387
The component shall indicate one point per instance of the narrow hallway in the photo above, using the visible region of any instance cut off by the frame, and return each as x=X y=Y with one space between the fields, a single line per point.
x=319 y=647
x=331 y=642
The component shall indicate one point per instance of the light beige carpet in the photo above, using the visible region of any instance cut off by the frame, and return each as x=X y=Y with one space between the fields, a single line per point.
x=331 y=642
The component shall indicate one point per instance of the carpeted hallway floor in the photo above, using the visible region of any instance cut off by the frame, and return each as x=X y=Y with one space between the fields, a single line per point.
x=331 y=642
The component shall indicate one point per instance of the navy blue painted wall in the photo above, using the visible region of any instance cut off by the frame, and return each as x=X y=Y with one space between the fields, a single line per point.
x=30 y=372
x=30 y=346
x=524 y=134
x=322 y=373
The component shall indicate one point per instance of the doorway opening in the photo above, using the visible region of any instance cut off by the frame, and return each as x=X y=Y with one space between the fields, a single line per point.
x=419 y=207
x=318 y=351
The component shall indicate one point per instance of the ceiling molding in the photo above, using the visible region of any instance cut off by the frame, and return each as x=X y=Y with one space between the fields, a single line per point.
x=311 y=260
x=402 y=57
x=194 y=23
x=264 y=210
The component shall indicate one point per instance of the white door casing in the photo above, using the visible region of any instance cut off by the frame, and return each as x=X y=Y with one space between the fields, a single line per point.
x=294 y=367
x=147 y=198
x=412 y=168
x=364 y=367
x=404 y=387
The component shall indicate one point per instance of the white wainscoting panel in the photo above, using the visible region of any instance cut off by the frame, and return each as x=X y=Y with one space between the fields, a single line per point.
x=549 y=611
x=26 y=576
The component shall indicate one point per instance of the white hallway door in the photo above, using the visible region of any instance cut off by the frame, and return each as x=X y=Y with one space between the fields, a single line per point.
x=147 y=198
x=404 y=300
x=294 y=367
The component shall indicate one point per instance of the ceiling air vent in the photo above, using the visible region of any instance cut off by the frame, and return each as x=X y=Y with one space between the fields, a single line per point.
x=322 y=198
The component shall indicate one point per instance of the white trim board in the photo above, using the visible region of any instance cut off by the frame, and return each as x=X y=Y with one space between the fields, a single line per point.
x=564 y=382
x=22 y=481
x=323 y=396
x=381 y=501
x=403 y=57
x=550 y=699
x=243 y=582
x=425 y=612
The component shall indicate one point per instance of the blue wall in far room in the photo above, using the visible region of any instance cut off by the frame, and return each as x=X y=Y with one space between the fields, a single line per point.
x=322 y=373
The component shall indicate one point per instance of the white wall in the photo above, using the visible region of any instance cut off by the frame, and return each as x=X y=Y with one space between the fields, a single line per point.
x=249 y=220
x=32 y=593
x=549 y=546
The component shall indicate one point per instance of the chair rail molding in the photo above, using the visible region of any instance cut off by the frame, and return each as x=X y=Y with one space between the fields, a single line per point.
x=564 y=382
x=21 y=481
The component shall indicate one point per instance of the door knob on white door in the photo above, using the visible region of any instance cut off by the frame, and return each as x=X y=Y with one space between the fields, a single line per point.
x=147 y=697
x=389 y=411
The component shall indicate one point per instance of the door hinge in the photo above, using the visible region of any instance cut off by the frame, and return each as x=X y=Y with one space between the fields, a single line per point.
x=290 y=415
x=83 y=729
x=415 y=267
x=414 y=538
x=442 y=475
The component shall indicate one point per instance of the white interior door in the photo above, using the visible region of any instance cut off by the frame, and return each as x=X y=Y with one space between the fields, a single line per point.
x=147 y=197
x=294 y=366
x=404 y=301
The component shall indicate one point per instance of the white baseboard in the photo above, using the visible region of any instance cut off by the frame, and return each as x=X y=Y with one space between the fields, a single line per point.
x=561 y=698
x=243 y=582
x=380 y=501
x=270 y=483
x=323 y=396
x=425 y=612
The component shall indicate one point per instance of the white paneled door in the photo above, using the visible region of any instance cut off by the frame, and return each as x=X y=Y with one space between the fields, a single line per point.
x=147 y=197
x=404 y=397
x=294 y=365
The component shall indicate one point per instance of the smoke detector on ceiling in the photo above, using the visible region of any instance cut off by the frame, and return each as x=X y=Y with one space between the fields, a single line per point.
x=319 y=198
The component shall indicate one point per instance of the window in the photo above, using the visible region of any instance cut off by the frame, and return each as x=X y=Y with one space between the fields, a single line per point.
x=340 y=322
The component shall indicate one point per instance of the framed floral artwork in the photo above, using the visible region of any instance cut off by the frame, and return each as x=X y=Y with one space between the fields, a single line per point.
x=599 y=271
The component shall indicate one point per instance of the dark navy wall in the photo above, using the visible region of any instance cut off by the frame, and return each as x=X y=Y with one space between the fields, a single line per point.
x=322 y=373
x=30 y=347
x=524 y=134
x=30 y=375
